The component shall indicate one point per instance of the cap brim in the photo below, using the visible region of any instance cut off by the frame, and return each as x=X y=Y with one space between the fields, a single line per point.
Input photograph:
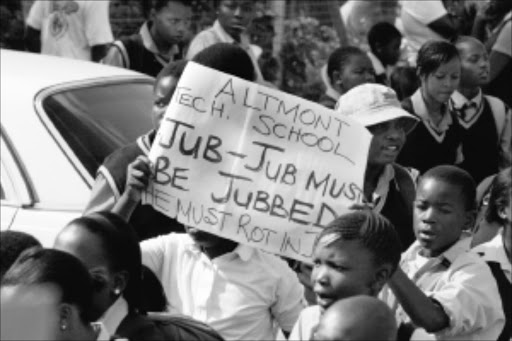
x=373 y=117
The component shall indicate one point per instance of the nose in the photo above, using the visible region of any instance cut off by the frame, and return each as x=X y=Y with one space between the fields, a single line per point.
x=428 y=215
x=238 y=11
x=320 y=276
x=369 y=76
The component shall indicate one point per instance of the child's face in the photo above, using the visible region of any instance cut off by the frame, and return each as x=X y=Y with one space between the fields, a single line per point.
x=235 y=15
x=162 y=94
x=440 y=84
x=390 y=52
x=388 y=140
x=475 y=64
x=357 y=70
x=440 y=215
x=342 y=269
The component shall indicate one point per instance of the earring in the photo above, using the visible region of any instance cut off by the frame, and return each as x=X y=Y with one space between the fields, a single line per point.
x=117 y=291
x=63 y=326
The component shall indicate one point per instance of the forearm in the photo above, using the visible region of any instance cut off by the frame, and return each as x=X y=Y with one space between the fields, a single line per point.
x=125 y=206
x=420 y=308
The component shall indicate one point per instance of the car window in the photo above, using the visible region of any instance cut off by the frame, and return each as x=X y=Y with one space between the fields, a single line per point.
x=96 y=120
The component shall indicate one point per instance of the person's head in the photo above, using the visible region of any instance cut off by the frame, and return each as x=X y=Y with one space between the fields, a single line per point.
x=498 y=210
x=153 y=298
x=235 y=16
x=438 y=67
x=357 y=318
x=57 y=286
x=445 y=206
x=348 y=67
x=474 y=61
x=404 y=81
x=12 y=244
x=165 y=85
x=355 y=254
x=109 y=248
x=377 y=108
x=385 y=40
x=229 y=59
x=170 y=20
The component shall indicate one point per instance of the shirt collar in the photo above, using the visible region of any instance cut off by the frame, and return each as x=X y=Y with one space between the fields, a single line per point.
x=494 y=250
x=420 y=108
x=115 y=315
x=382 y=189
x=458 y=99
x=377 y=64
x=332 y=93
x=447 y=257
x=244 y=252
x=150 y=45
x=221 y=33
x=103 y=334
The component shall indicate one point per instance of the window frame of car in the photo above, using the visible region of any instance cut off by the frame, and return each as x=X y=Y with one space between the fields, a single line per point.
x=70 y=86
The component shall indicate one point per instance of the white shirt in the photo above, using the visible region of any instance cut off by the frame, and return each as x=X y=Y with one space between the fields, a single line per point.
x=103 y=334
x=504 y=42
x=216 y=34
x=114 y=315
x=415 y=18
x=240 y=294
x=467 y=116
x=464 y=286
x=494 y=251
x=308 y=320
x=70 y=28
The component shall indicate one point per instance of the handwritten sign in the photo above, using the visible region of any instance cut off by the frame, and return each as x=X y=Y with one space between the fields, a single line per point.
x=253 y=164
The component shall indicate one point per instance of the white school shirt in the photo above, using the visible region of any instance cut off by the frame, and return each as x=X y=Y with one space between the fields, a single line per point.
x=494 y=251
x=308 y=320
x=114 y=315
x=462 y=283
x=240 y=294
x=70 y=28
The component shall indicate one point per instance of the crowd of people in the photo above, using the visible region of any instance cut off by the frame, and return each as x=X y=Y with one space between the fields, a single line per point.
x=425 y=255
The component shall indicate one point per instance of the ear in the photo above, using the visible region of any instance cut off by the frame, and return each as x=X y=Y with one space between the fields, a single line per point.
x=120 y=282
x=336 y=78
x=65 y=317
x=382 y=275
x=502 y=212
x=469 y=220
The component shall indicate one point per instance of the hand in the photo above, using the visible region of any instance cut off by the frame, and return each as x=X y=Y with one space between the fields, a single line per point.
x=137 y=179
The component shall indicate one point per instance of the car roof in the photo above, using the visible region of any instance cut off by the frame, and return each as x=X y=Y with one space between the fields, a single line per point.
x=37 y=71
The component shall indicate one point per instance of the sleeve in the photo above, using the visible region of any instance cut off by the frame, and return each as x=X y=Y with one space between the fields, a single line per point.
x=36 y=15
x=505 y=141
x=289 y=299
x=116 y=55
x=153 y=252
x=296 y=333
x=504 y=42
x=470 y=298
x=102 y=197
x=425 y=12
x=97 y=23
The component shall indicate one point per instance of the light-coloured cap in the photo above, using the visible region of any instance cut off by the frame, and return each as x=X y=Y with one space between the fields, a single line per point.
x=371 y=104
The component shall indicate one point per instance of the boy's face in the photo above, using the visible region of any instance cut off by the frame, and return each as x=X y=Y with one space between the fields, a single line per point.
x=441 y=84
x=172 y=22
x=235 y=15
x=162 y=95
x=388 y=140
x=357 y=70
x=440 y=216
x=342 y=269
x=390 y=52
x=475 y=64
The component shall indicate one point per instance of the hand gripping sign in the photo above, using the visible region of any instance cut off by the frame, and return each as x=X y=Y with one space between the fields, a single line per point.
x=253 y=164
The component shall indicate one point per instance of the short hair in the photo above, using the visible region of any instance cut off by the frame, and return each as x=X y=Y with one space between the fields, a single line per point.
x=12 y=244
x=157 y=5
x=229 y=59
x=404 y=81
x=173 y=69
x=374 y=231
x=339 y=58
x=154 y=298
x=457 y=177
x=50 y=266
x=382 y=33
x=433 y=54
x=499 y=196
x=121 y=247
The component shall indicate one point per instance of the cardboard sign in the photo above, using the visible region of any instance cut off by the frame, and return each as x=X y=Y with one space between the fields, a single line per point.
x=253 y=164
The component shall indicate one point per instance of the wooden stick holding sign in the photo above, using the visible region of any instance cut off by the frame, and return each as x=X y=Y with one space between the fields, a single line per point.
x=253 y=164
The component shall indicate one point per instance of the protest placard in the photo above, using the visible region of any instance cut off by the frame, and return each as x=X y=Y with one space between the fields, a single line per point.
x=253 y=164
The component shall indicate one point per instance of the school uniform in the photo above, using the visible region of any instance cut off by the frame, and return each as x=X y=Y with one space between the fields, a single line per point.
x=110 y=184
x=462 y=284
x=244 y=294
x=139 y=52
x=482 y=145
x=329 y=98
x=382 y=73
x=308 y=320
x=429 y=145
x=494 y=254
x=393 y=198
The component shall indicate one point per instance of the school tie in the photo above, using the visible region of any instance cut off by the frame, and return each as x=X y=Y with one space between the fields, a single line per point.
x=468 y=109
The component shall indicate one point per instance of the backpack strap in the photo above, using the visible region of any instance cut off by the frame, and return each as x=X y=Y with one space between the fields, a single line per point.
x=499 y=112
x=118 y=44
x=502 y=117
x=505 y=289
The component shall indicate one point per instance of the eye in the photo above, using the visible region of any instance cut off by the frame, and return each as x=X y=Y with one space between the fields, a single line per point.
x=98 y=282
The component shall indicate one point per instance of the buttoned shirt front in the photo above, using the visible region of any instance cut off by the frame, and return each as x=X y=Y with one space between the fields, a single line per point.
x=240 y=294
x=462 y=284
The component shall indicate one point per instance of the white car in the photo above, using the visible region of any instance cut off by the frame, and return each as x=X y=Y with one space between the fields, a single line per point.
x=59 y=119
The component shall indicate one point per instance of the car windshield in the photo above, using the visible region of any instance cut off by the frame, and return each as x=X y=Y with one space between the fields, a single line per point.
x=96 y=120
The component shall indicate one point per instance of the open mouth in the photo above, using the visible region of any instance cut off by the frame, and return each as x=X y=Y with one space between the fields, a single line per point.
x=324 y=301
x=426 y=235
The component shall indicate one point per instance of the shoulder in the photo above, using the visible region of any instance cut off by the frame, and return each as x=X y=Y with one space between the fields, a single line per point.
x=139 y=327
x=272 y=265
x=171 y=241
